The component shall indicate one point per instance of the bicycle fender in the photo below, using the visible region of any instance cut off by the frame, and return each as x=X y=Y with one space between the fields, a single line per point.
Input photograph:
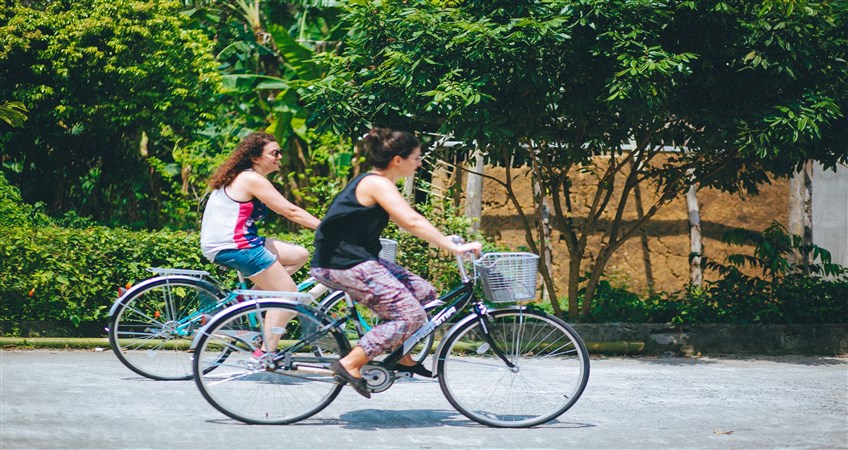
x=144 y=284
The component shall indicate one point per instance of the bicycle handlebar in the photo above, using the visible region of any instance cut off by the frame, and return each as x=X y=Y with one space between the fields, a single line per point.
x=462 y=272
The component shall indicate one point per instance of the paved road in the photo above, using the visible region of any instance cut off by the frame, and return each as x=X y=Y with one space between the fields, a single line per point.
x=87 y=399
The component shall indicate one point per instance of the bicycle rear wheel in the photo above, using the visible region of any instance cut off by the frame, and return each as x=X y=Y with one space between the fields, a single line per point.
x=152 y=325
x=551 y=369
x=283 y=386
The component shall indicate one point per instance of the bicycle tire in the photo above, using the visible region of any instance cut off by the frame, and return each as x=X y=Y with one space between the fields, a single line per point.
x=149 y=329
x=551 y=368
x=260 y=390
x=335 y=305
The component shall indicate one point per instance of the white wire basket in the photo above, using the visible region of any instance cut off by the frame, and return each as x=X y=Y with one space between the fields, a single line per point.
x=389 y=250
x=508 y=277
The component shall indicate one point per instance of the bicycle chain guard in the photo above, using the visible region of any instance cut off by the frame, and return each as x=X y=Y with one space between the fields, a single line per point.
x=378 y=378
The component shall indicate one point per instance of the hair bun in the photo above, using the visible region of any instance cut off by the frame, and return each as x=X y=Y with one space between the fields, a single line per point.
x=377 y=136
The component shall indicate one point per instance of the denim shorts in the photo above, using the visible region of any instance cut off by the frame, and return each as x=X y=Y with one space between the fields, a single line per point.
x=248 y=261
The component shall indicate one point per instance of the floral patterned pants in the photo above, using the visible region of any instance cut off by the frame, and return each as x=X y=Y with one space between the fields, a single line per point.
x=395 y=294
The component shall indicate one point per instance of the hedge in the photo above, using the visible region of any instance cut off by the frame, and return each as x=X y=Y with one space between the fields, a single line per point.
x=58 y=274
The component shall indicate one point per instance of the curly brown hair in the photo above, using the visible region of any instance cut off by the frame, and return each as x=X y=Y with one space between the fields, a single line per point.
x=241 y=159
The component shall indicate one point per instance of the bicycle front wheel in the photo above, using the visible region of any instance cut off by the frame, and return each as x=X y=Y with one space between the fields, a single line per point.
x=286 y=384
x=152 y=326
x=551 y=368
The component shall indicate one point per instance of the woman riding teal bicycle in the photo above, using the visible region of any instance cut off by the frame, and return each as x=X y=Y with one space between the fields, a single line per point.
x=347 y=246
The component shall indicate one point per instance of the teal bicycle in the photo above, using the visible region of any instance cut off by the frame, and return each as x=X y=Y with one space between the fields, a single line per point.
x=152 y=324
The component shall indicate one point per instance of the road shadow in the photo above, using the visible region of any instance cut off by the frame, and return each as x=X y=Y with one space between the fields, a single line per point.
x=674 y=361
x=381 y=419
x=790 y=359
x=374 y=419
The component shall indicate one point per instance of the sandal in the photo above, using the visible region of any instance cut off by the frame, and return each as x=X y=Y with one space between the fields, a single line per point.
x=343 y=376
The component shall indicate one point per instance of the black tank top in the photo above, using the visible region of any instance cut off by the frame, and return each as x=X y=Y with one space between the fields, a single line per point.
x=349 y=234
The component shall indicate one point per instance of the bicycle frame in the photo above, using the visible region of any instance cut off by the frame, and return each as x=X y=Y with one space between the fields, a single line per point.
x=456 y=300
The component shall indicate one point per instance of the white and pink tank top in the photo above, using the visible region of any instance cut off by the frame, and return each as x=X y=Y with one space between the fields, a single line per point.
x=229 y=224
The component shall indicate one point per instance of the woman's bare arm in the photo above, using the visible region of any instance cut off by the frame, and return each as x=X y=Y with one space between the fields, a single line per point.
x=380 y=190
x=258 y=186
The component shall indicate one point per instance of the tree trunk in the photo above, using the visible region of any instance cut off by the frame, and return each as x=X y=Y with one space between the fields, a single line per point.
x=409 y=189
x=643 y=238
x=456 y=182
x=564 y=223
x=543 y=228
x=801 y=211
x=696 y=276
x=474 y=192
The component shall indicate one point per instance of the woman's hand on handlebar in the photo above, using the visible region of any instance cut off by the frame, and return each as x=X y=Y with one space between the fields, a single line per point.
x=462 y=248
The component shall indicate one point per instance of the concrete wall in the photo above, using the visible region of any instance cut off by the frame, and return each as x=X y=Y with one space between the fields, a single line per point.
x=830 y=212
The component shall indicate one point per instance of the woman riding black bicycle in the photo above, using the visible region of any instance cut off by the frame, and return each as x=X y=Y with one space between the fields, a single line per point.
x=347 y=246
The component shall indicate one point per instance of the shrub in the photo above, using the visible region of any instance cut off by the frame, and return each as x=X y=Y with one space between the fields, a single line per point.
x=15 y=213
x=72 y=275
x=784 y=292
x=618 y=304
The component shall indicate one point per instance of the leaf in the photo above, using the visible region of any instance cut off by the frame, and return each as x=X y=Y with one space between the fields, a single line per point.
x=13 y=113
x=248 y=82
x=296 y=55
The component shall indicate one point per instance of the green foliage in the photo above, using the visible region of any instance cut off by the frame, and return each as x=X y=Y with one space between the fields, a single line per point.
x=560 y=82
x=785 y=292
x=13 y=212
x=618 y=304
x=72 y=275
x=796 y=299
x=806 y=299
x=13 y=113
x=774 y=255
x=265 y=52
x=107 y=83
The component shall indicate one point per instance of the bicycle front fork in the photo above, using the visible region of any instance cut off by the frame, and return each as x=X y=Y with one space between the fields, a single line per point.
x=483 y=316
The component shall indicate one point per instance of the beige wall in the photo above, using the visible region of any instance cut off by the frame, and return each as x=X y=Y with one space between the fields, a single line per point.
x=668 y=231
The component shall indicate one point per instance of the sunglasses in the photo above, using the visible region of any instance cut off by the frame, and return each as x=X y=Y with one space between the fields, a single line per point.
x=276 y=154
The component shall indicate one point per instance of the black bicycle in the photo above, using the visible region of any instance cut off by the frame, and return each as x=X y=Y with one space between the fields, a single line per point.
x=509 y=366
